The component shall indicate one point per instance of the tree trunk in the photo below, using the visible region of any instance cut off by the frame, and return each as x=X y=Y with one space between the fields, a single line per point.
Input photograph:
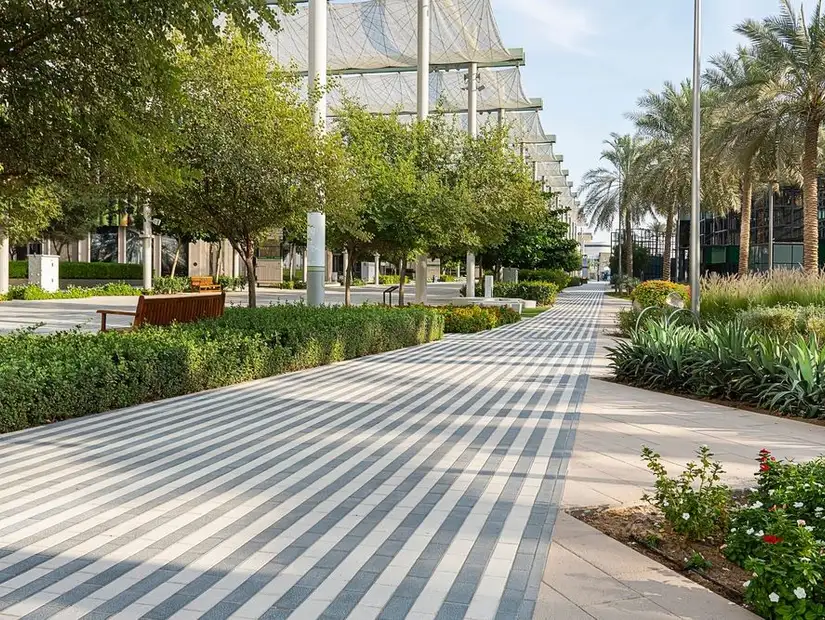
x=291 y=262
x=668 y=244
x=348 y=282
x=402 y=276
x=746 y=196
x=628 y=248
x=177 y=257
x=249 y=261
x=810 y=195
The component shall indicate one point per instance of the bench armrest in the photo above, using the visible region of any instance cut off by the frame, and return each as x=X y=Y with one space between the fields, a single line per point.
x=103 y=314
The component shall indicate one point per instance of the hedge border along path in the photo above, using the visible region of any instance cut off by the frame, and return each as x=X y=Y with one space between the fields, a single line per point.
x=45 y=378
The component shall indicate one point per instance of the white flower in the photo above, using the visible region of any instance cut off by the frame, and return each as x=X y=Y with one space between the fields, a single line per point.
x=665 y=503
x=798 y=504
x=757 y=504
x=799 y=593
x=819 y=509
x=760 y=534
x=771 y=491
x=752 y=490
x=749 y=531
x=746 y=584
x=804 y=559
x=774 y=597
x=810 y=528
x=800 y=522
x=733 y=529
x=686 y=515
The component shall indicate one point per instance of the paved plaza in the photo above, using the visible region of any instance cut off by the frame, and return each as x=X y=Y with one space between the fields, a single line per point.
x=422 y=483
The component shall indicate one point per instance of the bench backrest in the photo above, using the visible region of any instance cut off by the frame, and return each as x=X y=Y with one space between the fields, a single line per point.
x=168 y=309
x=201 y=280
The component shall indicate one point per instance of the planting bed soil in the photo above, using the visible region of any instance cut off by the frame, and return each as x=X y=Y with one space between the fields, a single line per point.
x=644 y=529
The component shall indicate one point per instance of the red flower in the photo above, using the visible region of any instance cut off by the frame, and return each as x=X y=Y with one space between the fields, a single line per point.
x=771 y=539
x=764 y=467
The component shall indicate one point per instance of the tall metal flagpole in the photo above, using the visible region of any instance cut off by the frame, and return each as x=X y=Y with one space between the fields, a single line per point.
x=696 y=179
x=770 y=227
x=316 y=220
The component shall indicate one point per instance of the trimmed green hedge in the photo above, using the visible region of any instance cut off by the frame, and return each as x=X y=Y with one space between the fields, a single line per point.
x=32 y=292
x=654 y=293
x=473 y=319
x=556 y=276
x=73 y=270
x=71 y=374
x=543 y=293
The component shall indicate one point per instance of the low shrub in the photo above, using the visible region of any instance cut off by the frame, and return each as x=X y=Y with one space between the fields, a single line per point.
x=168 y=285
x=726 y=361
x=778 y=535
x=69 y=374
x=231 y=283
x=625 y=285
x=786 y=321
x=472 y=319
x=695 y=503
x=445 y=277
x=32 y=292
x=18 y=269
x=543 y=293
x=654 y=293
x=390 y=280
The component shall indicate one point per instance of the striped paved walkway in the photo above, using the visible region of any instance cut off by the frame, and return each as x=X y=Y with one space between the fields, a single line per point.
x=416 y=484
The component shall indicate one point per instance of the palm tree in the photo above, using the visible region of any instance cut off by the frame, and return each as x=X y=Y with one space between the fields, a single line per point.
x=789 y=52
x=609 y=191
x=666 y=118
x=747 y=132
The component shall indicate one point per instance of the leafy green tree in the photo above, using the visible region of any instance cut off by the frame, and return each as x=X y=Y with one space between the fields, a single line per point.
x=250 y=140
x=27 y=209
x=540 y=244
x=789 y=71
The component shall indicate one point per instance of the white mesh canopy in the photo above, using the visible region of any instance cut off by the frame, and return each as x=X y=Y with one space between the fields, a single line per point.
x=382 y=34
x=383 y=93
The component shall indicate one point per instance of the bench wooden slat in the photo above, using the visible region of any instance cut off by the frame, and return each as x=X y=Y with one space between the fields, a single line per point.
x=167 y=309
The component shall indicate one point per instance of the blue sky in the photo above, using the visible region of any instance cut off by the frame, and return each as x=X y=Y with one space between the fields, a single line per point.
x=591 y=59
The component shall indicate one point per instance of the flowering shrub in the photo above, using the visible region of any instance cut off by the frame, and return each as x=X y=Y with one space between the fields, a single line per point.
x=696 y=503
x=779 y=536
x=655 y=293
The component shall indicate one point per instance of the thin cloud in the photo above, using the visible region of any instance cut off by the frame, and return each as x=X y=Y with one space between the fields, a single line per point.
x=561 y=24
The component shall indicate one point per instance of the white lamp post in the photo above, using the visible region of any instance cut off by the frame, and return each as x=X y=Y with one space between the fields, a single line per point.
x=696 y=179
x=423 y=113
x=316 y=221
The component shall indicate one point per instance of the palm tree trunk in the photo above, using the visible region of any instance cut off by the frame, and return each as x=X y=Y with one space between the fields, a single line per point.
x=628 y=246
x=810 y=195
x=746 y=196
x=668 y=243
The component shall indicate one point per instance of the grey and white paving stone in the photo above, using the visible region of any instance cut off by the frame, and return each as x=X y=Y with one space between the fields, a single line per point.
x=421 y=483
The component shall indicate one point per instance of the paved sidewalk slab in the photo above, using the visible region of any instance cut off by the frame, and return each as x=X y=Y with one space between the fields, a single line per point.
x=421 y=483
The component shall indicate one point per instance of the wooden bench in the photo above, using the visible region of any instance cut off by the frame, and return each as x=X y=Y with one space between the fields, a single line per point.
x=168 y=309
x=199 y=284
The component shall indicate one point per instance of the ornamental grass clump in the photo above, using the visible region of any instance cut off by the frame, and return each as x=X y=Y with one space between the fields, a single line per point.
x=723 y=297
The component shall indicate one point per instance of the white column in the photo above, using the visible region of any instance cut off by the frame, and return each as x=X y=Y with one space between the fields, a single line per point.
x=472 y=129
x=471 y=275
x=316 y=258
x=316 y=221
x=4 y=263
x=345 y=256
x=121 y=244
x=305 y=266
x=147 y=246
x=423 y=113
x=377 y=269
